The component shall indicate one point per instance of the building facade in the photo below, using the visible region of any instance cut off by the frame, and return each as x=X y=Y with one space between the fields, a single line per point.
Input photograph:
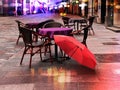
x=106 y=11
x=10 y=7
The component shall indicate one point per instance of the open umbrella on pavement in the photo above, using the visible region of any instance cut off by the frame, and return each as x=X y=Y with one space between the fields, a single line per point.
x=76 y=50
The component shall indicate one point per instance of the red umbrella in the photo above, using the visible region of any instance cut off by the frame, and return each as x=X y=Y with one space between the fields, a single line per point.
x=76 y=50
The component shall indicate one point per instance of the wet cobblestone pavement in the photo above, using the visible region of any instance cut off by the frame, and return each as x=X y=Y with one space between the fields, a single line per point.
x=108 y=58
x=69 y=75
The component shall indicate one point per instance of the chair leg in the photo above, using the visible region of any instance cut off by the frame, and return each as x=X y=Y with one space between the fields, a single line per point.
x=31 y=54
x=23 y=56
x=17 y=40
x=84 y=42
x=50 y=53
x=41 y=55
x=93 y=31
x=45 y=50
x=85 y=37
x=74 y=25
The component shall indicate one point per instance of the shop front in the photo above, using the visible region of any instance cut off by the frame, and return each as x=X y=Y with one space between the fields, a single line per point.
x=106 y=11
x=116 y=17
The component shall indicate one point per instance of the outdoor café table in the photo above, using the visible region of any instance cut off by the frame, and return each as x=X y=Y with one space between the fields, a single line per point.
x=55 y=31
x=78 y=20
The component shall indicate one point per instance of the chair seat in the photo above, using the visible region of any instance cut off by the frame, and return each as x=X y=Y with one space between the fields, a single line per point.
x=37 y=44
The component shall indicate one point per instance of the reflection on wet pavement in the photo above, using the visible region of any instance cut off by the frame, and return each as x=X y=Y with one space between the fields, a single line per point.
x=66 y=76
x=108 y=58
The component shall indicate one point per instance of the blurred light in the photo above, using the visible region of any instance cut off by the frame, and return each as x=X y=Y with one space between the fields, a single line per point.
x=45 y=6
x=68 y=5
x=25 y=9
x=50 y=8
x=82 y=5
x=117 y=6
x=62 y=14
x=60 y=6
x=56 y=7
x=84 y=0
x=32 y=72
x=77 y=1
x=117 y=71
x=63 y=4
x=35 y=12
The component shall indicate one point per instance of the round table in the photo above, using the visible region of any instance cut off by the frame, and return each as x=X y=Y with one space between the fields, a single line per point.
x=55 y=31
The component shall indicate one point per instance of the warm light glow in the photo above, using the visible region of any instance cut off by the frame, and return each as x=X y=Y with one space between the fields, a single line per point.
x=77 y=1
x=62 y=14
x=84 y=0
x=117 y=6
x=32 y=72
x=68 y=5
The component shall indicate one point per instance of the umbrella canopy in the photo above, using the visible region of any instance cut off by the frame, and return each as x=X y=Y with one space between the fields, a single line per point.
x=76 y=50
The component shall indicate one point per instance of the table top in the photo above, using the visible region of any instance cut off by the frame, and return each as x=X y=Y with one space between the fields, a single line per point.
x=32 y=25
x=55 y=31
x=75 y=18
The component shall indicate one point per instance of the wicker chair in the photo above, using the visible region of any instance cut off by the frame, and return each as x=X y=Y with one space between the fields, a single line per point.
x=85 y=34
x=32 y=47
x=90 y=21
x=52 y=24
x=20 y=34
x=41 y=24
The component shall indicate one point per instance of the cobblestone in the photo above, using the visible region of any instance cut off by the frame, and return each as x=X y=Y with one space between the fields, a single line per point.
x=69 y=75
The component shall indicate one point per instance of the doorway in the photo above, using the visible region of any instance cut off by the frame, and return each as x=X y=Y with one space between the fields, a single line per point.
x=103 y=10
